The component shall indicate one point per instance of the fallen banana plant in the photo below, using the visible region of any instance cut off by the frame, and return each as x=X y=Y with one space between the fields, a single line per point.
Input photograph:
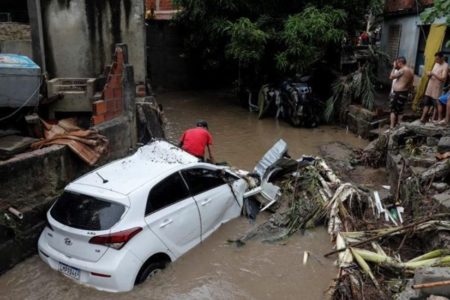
x=432 y=259
x=364 y=266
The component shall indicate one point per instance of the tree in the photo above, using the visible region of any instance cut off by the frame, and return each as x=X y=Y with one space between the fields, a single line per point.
x=440 y=9
x=268 y=38
x=307 y=35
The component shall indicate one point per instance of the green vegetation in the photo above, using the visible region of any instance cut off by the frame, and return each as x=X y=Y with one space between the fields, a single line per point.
x=356 y=87
x=440 y=9
x=266 y=39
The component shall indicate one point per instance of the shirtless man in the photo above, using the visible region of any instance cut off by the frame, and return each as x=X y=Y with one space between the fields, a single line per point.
x=434 y=88
x=403 y=77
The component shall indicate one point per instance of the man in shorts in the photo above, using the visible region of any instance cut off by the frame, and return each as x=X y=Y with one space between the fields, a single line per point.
x=403 y=77
x=437 y=77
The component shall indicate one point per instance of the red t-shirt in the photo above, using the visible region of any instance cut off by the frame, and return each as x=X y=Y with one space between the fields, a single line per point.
x=195 y=140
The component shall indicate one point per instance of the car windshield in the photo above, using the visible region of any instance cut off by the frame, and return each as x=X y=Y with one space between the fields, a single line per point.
x=85 y=212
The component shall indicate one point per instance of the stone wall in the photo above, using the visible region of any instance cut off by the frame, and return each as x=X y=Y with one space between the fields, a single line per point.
x=79 y=36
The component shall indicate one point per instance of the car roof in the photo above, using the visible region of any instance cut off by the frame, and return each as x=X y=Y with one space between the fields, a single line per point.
x=147 y=164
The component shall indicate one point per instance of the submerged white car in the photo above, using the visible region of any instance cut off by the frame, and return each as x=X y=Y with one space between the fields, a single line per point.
x=119 y=224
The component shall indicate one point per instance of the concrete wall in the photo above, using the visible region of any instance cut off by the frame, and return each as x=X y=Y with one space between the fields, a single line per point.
x=17 y=47
x=79 y=35
x=409 y=38
x=409 y=41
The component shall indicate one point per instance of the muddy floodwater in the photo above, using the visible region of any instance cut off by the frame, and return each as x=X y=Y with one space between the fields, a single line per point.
x=216 y=269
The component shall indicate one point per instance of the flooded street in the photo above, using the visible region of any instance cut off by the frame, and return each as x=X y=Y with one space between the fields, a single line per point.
x=216 y=269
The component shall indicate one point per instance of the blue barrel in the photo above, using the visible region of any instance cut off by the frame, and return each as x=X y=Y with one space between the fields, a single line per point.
x=20 y=79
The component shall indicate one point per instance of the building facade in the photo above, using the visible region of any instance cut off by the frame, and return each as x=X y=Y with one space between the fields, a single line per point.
x=403 y=33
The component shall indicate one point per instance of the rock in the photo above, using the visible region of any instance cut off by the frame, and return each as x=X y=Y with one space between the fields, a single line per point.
x=417 y=171
x=432 y=141
x=398 y=138
x=436 y=171
x=425 y=160
x=443 y=198
x=361 y=112
x=439 y=186
x=432 y=274
x=440 y=240
x=444 y=144
x=428 y=129
x=393 y=166
x=359 y=120
x=408 y=293
x=433 y=297
x=372 y=145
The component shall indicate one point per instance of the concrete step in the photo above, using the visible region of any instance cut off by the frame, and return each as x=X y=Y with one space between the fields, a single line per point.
x=14 y=144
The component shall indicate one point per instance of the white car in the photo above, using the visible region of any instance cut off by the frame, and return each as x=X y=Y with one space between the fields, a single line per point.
x=120 y=224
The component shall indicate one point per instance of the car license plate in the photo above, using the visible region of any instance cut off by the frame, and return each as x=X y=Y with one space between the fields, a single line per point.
x=69 y=271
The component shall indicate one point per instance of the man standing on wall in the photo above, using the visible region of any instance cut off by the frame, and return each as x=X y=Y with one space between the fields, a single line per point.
x=195 y=140
x=437 y=77
x=403 y=77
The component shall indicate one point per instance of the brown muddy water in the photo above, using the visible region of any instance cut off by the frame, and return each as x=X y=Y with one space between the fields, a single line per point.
x=216 y=269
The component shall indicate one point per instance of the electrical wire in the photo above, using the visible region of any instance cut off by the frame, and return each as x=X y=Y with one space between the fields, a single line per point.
x=24 y=104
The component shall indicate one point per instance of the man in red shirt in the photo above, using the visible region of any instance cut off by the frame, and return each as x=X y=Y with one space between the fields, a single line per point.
x=195 y=140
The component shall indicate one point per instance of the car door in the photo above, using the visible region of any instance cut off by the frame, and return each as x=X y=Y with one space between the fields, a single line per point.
x=172 y=214
x=213 y=196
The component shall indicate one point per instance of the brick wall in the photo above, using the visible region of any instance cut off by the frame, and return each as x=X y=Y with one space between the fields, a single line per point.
x=163 y=4
x=111 y=105
x=392 y=6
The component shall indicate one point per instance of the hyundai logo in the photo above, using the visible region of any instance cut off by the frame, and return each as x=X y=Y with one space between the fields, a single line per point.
x=67 y=241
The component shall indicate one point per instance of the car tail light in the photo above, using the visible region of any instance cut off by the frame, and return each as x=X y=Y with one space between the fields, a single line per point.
x=116 y=240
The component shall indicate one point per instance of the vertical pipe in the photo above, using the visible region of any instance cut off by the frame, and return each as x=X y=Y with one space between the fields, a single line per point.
x=37 y=33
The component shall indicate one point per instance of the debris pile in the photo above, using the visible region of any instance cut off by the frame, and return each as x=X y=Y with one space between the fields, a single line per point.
x=89 y=145
x=380 y=242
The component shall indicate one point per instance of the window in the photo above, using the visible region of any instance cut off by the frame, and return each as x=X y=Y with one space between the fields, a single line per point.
x=420 y=59
x=394 y=35
x=170 y=190
x=85 y=212
x=201 y=180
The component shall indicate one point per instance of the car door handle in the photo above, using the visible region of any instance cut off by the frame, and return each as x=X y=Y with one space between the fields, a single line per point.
x=165 y=223
x=205 y=202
